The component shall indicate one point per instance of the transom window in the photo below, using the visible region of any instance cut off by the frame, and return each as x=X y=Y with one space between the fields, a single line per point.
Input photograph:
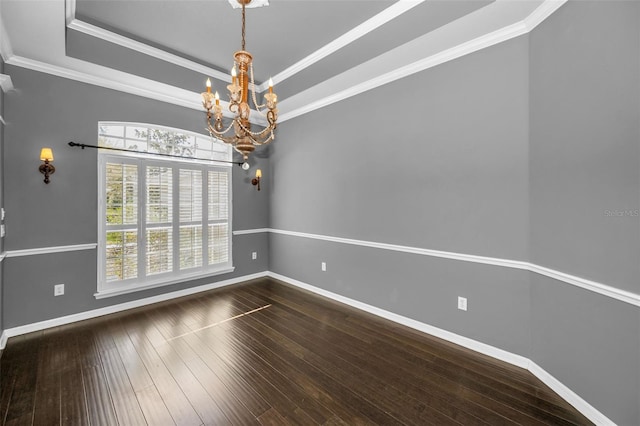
x=161 y=220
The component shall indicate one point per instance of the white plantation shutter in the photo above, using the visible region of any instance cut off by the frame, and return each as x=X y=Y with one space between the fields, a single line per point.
x=191 y=197
x=159 y=235
x=121 y=212
x=218 y=183
x=161 y=220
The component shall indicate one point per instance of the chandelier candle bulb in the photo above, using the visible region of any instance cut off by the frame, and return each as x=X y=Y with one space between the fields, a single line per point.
x=217 y=99
x=270 y=85
x=234 y=76
x=208 y=85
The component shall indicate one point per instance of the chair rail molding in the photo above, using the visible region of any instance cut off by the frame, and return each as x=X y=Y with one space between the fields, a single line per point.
x=586 y=284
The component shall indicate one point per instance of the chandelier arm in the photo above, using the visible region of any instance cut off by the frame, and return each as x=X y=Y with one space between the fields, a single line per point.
x=227 y=139
x=221 y=133
x=264 y=141
x=259 y=134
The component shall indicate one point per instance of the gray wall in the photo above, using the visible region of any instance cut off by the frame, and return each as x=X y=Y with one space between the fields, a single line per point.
x=517 y=151
x=585 y=153
x=447 y=171
x=64 y=212
x=435 y=160
x=585 y=166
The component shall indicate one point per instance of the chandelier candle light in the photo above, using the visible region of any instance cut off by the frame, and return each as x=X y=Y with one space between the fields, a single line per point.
x=243 y=139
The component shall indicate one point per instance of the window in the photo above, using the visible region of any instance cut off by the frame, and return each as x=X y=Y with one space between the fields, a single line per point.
x=161 y=220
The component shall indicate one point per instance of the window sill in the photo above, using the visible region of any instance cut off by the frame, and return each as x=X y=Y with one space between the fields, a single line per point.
x=132 y=289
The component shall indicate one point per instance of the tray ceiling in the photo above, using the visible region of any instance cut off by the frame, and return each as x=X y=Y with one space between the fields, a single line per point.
x=318 y=51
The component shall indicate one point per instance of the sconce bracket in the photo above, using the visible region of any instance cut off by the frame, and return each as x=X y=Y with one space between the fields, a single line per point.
x=256 y=181
x=47 y=169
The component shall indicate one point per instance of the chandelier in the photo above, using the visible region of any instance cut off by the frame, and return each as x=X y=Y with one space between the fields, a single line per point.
x=238 y=133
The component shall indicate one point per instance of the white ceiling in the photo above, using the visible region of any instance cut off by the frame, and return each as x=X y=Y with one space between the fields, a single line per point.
x=318 y=51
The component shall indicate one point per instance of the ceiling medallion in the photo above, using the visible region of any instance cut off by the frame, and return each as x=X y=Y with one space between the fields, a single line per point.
x=240 y=136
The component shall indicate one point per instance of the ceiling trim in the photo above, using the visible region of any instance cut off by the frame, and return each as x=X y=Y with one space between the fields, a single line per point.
x=503 y=34
x=5 y=46
x=162 y=92
x=5 y=83
x=83 y=77
x=69 y=11
x=151 y=89
x=111 y=37
x=347 y=38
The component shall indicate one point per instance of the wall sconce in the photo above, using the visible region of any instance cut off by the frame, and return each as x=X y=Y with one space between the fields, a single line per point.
x=47 y=168
x=256 y=181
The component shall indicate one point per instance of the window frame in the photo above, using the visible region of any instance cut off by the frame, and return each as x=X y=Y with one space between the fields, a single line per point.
x=144 y=281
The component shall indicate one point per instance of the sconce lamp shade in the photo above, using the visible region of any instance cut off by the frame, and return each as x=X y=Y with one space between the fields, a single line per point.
x=46 y=154
x=258 y=173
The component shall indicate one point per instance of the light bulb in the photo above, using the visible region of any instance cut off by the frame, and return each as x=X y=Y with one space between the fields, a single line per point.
x=245 y=166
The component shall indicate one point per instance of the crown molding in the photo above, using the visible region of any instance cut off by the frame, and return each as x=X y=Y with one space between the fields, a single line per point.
x=168 y=94
x=143 y=48
x=542 y=12
x=354 y=34
x=347 y=38
x=6 y=51
x=501 y=35
x=324 y=94
x=130 y=84
x=5 y=83
x=69 y=11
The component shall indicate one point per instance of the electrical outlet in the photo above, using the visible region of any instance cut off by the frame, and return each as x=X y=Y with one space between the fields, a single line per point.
x=462 y=303
x=58 y=289
x=3 y=231
x=323 y=266
x=2 y=213
x=254 y=255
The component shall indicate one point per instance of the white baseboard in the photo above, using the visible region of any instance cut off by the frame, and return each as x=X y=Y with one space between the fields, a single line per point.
x=3 y=339
x=519 y=361
x=68 y=319
x=567 y=394
x=483 y=348
x=570 y=396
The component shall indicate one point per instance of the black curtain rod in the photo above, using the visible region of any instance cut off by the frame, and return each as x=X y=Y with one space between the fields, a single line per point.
x=83 y=146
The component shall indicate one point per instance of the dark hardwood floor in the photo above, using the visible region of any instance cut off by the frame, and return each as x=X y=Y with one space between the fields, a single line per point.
x=261 y=353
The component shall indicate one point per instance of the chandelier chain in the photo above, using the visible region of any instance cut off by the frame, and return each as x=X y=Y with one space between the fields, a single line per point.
x=243 y=26
x=253 y=94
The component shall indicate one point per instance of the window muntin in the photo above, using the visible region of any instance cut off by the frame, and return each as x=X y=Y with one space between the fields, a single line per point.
x=161 y=220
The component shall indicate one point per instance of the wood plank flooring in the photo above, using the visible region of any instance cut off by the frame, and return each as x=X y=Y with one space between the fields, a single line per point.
x=261 y=353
